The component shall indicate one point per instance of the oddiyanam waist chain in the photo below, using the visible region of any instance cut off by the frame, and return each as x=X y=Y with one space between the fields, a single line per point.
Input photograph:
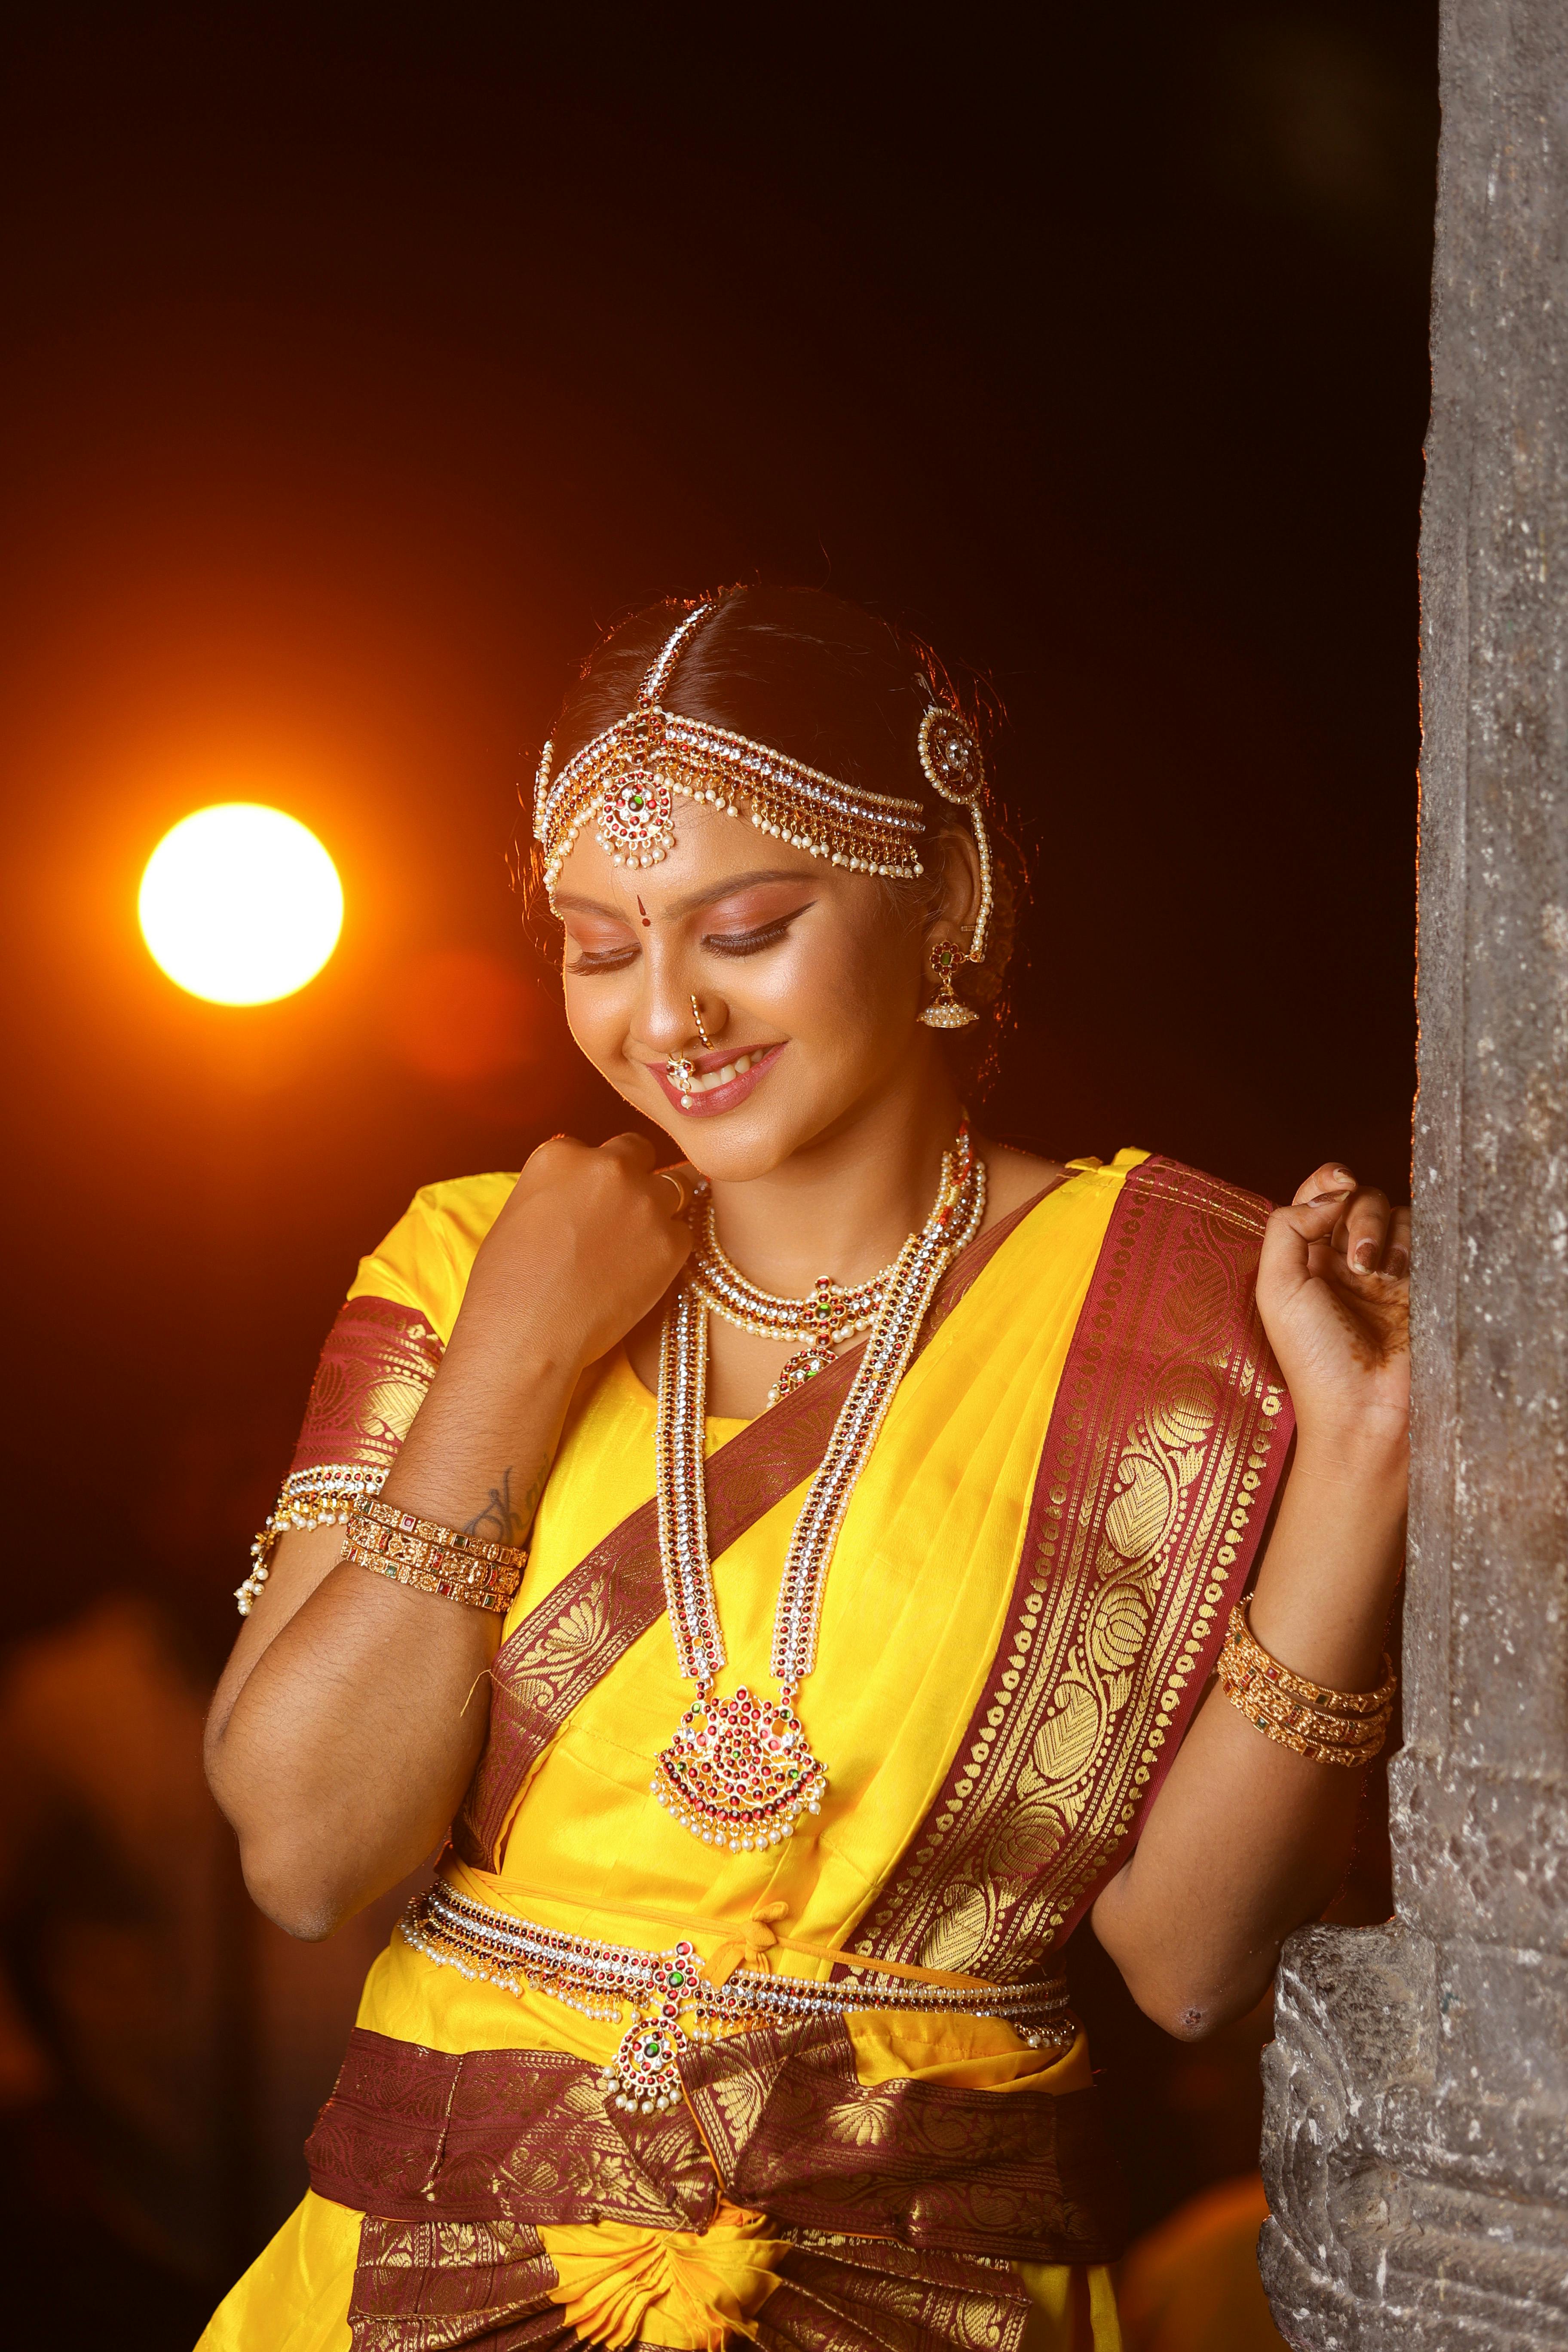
x=676 y=2002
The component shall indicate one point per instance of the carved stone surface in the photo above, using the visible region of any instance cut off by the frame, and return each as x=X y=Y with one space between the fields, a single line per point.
x=1416 y=2135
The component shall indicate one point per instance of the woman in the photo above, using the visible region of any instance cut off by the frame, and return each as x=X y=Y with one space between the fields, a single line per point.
x=887 y=1494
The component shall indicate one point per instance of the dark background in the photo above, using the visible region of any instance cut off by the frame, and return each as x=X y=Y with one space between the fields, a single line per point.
x=363 y=365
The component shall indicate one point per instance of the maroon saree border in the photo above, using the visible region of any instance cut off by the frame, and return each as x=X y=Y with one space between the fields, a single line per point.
x=1159 y=1465
x=566 y=1645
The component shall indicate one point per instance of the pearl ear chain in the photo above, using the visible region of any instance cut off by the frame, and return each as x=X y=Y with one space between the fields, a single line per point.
x=740 y=1772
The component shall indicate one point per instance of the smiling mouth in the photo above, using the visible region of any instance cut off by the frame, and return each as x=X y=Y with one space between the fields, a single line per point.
x=727 y=1079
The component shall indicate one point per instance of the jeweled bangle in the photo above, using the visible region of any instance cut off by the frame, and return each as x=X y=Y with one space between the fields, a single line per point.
x=1355 y=1759
x=1311 y=1720
x=446 y=1575
x=408 y=1523
x=1250 y=1652
x=1345 y=1741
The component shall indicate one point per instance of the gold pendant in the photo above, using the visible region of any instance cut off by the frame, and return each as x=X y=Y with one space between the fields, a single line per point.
x=738 y=1772
x=802 y=1367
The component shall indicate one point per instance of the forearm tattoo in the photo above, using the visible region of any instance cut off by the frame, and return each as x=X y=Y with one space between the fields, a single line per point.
x=502 y=1520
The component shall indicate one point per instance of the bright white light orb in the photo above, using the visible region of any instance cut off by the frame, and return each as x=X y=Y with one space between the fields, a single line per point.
x=240 y=904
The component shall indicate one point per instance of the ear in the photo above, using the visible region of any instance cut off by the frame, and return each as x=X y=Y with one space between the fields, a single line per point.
x=954 y=862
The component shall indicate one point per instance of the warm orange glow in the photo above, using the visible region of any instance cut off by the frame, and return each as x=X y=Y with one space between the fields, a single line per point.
x=240 y=904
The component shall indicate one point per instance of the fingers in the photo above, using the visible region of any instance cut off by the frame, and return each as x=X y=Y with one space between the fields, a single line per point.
x=1397 y=1255
x=1292 y=1234
x=1363 y=1232
x=635 y=1151
x=1371 y=1236
x=1332 y=1177
x=684 y=1181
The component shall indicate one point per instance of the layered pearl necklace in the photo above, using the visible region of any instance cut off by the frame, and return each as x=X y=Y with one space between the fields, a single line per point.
x=739 y=1772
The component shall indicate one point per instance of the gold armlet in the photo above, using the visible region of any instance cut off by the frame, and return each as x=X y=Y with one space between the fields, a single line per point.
x=433 y=1558
x=1311 y=1720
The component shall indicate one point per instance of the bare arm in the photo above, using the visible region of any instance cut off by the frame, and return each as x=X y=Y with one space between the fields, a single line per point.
x=1247 y=1840
x=353 y=1709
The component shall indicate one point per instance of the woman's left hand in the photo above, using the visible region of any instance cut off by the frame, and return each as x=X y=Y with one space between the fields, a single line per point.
x=1334 y=1289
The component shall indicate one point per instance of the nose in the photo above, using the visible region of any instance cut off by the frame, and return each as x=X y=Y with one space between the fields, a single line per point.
x=668 y=1017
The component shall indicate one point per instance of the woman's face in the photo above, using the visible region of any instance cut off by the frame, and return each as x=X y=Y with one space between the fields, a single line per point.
x=808 y=979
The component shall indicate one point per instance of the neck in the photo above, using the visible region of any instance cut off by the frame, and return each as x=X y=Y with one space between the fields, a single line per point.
x=845 y=1203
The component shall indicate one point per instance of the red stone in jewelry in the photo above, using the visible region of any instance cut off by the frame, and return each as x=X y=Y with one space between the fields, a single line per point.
x=636 y=820
x=738 y=1772
x=642 y=2075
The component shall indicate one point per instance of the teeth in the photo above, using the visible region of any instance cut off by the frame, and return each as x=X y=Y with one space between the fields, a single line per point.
x=706 y=1083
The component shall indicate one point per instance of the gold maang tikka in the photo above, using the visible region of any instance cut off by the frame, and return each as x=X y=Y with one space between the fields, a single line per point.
x=628 y=779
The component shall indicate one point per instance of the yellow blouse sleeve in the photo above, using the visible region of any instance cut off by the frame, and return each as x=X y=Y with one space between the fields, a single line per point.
x=427 y=1259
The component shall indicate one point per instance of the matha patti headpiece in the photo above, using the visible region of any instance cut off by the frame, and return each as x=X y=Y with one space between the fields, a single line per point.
x=629 y=778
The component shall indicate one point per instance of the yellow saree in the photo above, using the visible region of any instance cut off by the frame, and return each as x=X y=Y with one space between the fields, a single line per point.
x=517 y=2216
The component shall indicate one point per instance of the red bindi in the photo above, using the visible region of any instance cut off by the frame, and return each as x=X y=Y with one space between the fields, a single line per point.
x=643 y=912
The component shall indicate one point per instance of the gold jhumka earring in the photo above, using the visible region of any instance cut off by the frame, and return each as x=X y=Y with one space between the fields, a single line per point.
x=945 y=1012
x=951 y=764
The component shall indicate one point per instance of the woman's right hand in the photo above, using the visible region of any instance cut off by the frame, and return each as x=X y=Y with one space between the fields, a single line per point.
x=589 y=1242
x=352 y=1713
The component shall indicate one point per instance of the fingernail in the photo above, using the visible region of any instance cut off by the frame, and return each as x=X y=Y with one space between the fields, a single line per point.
x=1321 y=1200
x=1346 y=1174
x=1398 y=1261
x=1364 y=1258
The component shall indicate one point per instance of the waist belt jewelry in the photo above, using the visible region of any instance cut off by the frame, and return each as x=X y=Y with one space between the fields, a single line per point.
x=673 y=2000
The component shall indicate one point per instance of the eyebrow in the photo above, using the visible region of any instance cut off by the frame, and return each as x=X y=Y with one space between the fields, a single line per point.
x=693 y=899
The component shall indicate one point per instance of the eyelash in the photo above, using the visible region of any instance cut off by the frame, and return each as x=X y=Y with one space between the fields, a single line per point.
x=744 y=943
x=734 y=943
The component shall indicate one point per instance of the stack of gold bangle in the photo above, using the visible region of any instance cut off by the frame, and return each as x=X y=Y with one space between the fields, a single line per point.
x=1326 y=1727
x=443 y=1560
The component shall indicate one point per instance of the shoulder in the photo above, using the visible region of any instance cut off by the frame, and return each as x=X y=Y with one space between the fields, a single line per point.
x=1017 y=1178
x=423 y=1262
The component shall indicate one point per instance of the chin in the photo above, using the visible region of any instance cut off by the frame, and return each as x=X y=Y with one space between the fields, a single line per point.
x=734 y=1149
x=738 y=1146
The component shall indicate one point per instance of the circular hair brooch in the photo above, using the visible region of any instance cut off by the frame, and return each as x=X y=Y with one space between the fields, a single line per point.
x=950 y=757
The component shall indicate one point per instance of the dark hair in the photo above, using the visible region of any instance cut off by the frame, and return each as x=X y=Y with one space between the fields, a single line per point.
x=828 y=682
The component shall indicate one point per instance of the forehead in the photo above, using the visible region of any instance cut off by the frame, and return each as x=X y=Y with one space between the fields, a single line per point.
x=712 y=852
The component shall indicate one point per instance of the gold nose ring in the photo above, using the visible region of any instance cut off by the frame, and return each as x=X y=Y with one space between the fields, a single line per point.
x=701 y=1031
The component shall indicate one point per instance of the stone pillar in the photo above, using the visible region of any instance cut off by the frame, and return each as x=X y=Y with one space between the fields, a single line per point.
x=1417 y=2141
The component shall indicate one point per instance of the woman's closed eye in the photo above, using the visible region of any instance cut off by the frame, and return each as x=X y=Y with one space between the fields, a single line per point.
x=606 y=958
x=753 y=941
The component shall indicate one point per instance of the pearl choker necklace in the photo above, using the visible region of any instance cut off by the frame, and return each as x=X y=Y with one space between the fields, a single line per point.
x=827 y=1321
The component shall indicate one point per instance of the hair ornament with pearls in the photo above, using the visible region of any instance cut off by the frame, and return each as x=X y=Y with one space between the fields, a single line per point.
x=628 y=778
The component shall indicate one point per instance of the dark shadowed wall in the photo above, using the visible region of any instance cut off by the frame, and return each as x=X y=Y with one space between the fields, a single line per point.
x=362 y=363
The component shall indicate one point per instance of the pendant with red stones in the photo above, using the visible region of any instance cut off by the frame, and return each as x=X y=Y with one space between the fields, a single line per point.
x=636 y=820
x=739 y=1772
x=800 y=1369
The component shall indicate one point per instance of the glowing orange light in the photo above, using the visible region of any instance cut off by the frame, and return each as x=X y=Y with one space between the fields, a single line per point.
x=240 y=904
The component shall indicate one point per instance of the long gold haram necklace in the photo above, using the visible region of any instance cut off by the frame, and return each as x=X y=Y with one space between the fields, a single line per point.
x=739 y=1772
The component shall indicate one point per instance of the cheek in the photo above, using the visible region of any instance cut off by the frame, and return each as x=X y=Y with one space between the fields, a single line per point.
x=831 y=984
x=598 y=1013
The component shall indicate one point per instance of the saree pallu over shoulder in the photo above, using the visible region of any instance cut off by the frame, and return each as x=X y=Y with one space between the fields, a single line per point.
x=1159 y=1468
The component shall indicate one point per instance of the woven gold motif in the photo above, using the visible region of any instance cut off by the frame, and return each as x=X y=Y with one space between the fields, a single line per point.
x=1162 y=1454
